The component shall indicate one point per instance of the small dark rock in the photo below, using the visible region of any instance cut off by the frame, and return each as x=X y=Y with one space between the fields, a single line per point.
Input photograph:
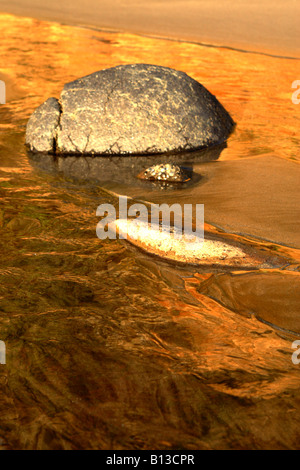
x=165 y=172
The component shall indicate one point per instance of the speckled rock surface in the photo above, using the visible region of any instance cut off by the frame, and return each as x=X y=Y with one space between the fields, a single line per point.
x=132 y=109
x=170 y=244
x=165 y=172
x=42 y=127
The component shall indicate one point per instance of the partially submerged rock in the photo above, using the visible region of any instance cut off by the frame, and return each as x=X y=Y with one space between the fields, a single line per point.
x=172 y=246
x=165 y=172
x=129 y=109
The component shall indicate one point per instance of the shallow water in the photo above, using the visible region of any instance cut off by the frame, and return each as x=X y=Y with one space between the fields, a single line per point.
x=107 y=347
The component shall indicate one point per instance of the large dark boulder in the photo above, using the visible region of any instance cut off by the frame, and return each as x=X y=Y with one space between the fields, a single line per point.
x=129 y=109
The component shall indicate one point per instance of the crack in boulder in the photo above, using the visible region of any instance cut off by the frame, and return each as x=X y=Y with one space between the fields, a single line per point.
x=152 y=109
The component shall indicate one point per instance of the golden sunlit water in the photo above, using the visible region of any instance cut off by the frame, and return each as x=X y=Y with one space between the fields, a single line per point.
x=107 y=347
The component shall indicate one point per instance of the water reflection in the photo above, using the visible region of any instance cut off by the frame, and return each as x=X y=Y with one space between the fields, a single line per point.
x=124 y=169
x=231 y=190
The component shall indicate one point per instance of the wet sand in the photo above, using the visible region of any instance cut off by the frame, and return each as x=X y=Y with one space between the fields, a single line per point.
x=263 y=26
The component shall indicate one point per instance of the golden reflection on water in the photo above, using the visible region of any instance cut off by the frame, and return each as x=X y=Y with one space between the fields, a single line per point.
x=39 y=58
x=106 y=347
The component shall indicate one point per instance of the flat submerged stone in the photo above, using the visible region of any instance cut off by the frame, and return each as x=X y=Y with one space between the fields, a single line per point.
x=130 y=109
x=194 y=250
